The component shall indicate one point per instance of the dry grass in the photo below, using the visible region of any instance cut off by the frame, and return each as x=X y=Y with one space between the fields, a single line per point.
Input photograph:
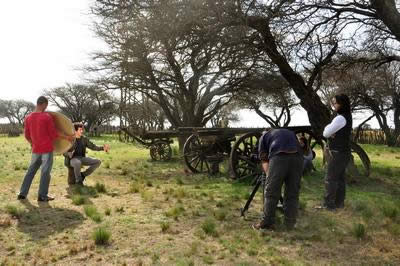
x=158 y=214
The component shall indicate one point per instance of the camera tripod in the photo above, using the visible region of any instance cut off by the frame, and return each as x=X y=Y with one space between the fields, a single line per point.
x=261 y=179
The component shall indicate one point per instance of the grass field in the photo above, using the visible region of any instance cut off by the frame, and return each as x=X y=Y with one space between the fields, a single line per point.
x=137 y=212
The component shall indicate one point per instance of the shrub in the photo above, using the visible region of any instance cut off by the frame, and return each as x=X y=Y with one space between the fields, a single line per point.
x=101 y=236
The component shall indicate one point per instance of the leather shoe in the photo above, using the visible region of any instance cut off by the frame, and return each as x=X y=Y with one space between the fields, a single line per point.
x=21 y=197
x=48 y=198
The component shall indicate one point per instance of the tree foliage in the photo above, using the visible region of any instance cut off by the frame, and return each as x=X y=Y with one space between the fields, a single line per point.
x=83 y=103
x=15 y=110
x=175 y=54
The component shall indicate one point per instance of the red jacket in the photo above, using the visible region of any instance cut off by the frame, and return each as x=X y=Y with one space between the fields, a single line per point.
x=40 y=130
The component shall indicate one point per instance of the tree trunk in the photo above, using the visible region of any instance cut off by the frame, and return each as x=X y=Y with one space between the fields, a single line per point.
x=318 y=113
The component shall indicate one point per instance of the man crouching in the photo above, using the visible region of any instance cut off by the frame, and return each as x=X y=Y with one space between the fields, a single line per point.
x=282 y=161
x=75 y=157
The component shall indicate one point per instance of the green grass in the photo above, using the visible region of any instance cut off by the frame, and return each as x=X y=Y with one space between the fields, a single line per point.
x=160 y=214
x=101 y=236
x=91 y=211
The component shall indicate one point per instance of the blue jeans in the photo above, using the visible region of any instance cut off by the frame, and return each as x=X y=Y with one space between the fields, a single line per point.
x=44 y=160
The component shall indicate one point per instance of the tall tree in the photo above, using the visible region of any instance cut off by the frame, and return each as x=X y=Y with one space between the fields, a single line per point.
x=373 y=89
x=15 y=110
x=175 y=54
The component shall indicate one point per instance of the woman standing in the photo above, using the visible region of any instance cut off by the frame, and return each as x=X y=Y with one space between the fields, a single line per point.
x=338 y=133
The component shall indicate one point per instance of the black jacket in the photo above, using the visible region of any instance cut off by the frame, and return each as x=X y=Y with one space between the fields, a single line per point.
x=86 y=144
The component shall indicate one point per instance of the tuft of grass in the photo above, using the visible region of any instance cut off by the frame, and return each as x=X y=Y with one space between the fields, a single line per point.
x=179 y=181
x=14 y=211
x=180 y=193
x=165 y=225
x=359 y=231
x=389 y=211
x=135 y=187
x=120 y=209
x=101 y=236
x=147 y=195
x=100 y=188
x=175 y=212
x=220 y=214
x=91 y=211
x=107 y=211
x=78 y=200
x=209 y=227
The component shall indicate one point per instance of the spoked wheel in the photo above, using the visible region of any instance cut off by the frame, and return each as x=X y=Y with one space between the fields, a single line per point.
x=244 y=161
x=195 y=152
x=160 y=151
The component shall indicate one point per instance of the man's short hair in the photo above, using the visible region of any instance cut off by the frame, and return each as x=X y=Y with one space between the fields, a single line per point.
x=42 y=100
x=78 y=125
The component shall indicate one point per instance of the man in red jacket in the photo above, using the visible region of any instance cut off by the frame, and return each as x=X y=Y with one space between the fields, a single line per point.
x=40 y=132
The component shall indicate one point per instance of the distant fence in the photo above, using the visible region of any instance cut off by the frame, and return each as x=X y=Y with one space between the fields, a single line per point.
x=373 y=136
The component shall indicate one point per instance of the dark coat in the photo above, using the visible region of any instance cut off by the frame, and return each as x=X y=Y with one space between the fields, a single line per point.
x=86 y=144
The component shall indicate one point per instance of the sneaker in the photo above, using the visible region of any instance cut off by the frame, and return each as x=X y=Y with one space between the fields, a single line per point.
x=47 y=198
x=21 y=197
x=260 y=227
x=80 y=183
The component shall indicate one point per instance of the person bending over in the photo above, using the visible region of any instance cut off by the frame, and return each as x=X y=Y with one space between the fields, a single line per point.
x=75 y=157
x=282 y=161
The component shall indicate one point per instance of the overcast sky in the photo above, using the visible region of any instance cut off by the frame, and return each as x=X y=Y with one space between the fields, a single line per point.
x=44 y=43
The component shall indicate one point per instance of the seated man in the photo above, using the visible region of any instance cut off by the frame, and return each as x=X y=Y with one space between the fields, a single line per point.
x=75 y=157
x=308 y=155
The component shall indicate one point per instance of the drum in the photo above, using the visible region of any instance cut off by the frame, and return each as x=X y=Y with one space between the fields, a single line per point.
x=63 y=124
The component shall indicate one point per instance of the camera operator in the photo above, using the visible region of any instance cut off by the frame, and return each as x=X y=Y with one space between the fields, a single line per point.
x=282 y=161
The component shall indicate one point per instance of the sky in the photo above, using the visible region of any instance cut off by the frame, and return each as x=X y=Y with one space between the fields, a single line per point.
x=44 y=43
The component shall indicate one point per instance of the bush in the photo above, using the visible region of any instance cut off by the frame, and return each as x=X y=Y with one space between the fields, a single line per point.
x=101 y=236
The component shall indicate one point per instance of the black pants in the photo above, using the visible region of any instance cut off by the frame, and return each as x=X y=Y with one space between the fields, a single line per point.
x=283 y=169
x=335 y=184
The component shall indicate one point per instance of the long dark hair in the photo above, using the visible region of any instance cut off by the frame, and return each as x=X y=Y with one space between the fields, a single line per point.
x=306 y=147
x=344 y=102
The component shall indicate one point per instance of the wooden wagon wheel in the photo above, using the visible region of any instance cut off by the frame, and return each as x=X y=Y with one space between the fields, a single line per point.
x=160 y=151
x=244 y=162
x=195 y=152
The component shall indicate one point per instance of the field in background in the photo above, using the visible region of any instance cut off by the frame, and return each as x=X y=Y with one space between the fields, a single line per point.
x=158 y=213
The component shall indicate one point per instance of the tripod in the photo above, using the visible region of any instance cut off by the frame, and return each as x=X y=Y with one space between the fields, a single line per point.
x=261 y=179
